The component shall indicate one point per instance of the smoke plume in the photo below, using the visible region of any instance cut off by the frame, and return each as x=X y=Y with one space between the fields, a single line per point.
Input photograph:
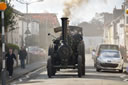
x=72 y=9
x=70 y=5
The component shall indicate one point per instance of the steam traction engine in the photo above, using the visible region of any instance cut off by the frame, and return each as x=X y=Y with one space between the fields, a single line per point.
x=67 y=50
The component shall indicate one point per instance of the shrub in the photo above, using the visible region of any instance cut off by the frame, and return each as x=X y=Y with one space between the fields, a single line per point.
x=13 y=46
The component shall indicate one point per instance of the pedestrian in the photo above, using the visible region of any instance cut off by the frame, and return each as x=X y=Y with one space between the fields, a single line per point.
x=10 y=56
x=22 y=57
x=93 y=53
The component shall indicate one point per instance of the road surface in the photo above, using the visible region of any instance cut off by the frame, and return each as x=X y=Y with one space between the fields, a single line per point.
x=69 y=77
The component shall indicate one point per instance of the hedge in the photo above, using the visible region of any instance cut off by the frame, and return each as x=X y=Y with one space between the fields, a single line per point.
x=13 y=46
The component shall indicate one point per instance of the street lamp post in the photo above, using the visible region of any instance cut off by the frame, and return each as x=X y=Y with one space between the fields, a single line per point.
x=3 y=7
x=27 y=4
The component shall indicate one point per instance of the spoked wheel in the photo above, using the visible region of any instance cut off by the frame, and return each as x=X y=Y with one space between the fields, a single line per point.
x=54 y=71
x=80 y=66
x=98 y=69
x=49 y=68
x=83 y=69
x=81 y=52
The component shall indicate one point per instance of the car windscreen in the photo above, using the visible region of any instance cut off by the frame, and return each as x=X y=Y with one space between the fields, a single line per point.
x=111 y=47
x=110 y=54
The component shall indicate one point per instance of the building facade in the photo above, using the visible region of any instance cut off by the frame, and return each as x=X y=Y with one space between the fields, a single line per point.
x=48 y=21
x=116 y=31
x=18 y=35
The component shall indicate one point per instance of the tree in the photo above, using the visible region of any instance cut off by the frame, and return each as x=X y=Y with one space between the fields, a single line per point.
x=9 y=17
x=9 y=20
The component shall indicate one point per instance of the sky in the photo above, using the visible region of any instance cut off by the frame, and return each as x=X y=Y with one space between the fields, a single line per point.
x=84 y=12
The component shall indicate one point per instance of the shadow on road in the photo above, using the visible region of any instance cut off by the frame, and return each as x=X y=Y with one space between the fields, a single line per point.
x=72 y=73
x=90 y=74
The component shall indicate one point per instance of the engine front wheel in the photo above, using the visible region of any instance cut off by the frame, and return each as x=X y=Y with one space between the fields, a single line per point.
x=54 y=72
x=80 y=66
x=83 y=71
x=49 y=68
x=98 y=69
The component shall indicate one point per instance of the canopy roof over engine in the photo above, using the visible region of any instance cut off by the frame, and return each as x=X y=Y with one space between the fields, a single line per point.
x=72 y=29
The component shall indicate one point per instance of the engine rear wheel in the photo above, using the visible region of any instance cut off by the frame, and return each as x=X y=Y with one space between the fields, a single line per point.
x=49 y=68
x=80 y=66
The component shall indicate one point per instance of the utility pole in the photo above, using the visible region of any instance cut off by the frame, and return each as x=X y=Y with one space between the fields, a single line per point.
x=3 y=7
x=27 y=31
x=27 y=3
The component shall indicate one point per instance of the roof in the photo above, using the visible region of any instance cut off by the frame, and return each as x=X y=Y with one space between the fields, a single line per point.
x=71 y=28
x=108 y=17
x=117 y=12
x=51 y=18
x=91 y=29
x=17 y=12
x=30 y=19
x=115 y=16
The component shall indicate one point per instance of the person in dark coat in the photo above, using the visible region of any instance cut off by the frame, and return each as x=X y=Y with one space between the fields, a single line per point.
x=22 y=57
x=10 y=56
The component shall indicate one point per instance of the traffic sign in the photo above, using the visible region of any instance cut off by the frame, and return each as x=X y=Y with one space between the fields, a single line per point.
x=3 y=6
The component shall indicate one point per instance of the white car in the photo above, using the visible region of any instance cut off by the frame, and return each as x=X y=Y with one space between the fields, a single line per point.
x=109 y=60
x=36 y=51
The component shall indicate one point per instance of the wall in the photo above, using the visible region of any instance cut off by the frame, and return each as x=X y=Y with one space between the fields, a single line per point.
x=121 y=33
x=13 y=36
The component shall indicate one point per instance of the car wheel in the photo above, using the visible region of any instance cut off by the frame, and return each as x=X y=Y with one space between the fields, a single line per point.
x=121 y=70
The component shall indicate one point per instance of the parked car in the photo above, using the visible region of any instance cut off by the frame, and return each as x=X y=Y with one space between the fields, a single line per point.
x=101 y=47
x=42 y=52
x=109 y=60
x=36 y=51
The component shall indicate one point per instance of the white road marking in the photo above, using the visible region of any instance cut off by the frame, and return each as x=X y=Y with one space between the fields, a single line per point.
x=20 y=80
x=27 y=76
x=122 y=76
x=125 y=80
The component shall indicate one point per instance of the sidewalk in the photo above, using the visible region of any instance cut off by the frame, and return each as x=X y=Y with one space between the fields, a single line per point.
x=125 y=65
x=18 y=72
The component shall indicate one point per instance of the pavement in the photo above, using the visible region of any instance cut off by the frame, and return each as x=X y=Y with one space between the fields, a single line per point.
x=126 y=67
x=19 y=72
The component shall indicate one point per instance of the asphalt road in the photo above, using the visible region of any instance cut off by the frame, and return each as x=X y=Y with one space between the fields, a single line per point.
x=69 y=77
